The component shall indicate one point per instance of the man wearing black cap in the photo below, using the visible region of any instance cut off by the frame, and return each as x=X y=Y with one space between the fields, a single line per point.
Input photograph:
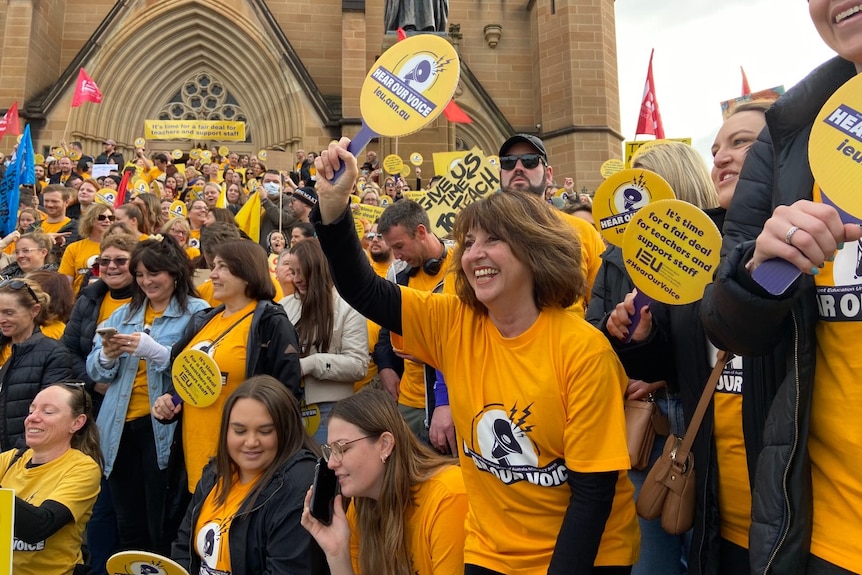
x=301 y=202
x=524 y=168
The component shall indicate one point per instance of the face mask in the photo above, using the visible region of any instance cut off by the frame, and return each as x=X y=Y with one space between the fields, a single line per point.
x=272 y=189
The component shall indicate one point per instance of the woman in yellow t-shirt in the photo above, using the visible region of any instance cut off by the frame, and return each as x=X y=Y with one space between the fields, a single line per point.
x=536 y=393
x=56 y=481
x=245 y=513
x=197 y=217
x=60 y=307
x=178 y=229
x=32 y=252
x=80 y=256
x=408 y=502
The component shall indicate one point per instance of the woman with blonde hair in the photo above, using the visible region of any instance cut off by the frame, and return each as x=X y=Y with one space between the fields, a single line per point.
x=178 y=228
x=684 y=169
x=32 y=253
x=407 y=503
x=79 y=256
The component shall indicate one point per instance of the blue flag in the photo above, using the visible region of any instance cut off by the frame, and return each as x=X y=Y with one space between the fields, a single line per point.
x=22 y=170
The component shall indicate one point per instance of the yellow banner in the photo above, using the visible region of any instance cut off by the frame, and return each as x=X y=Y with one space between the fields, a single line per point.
x=7 y=528
x=365 y=212
x=416 y=196
x=633 y=146
x=471 y=179
x=194 y=130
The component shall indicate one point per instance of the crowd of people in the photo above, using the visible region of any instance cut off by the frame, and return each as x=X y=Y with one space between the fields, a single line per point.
x=467 y=392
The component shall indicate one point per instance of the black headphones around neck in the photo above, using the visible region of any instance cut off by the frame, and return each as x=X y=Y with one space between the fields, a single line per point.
x=431 y=266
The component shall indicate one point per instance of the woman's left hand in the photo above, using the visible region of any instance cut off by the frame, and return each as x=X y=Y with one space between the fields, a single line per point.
x=334 y=539
x=639 y=389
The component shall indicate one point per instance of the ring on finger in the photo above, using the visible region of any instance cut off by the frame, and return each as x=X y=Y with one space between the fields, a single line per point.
x=788 y=237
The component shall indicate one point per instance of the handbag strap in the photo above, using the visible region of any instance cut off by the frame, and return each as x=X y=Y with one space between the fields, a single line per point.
x=685 y=446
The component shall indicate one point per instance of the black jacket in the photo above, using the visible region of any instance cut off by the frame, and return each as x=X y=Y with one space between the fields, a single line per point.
x=776 y=333
x=33 y=365
x=267 y=537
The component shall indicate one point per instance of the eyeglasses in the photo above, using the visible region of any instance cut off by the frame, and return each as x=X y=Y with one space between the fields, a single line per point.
x=372 y=237
x=179 y=233
x=26 y=251
x=337 y=449
x=19 y=285
x=529 y=161
x=119 y=262
x=103 y=217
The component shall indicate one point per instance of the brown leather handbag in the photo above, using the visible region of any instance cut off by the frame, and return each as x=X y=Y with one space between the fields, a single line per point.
x=643 y=422
x=668 y=490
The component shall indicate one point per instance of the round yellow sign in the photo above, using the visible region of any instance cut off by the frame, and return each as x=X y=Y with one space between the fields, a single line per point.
x=611 y=167
x=177 y=154
x=177 y=209
x=106 y=196
x=206 y=154
x=223 y=151
x=58 y=152
x=409 y=85
x=494 y=161
x=621 y=195
x=195 y=154
x=310 y=417
x=670 y=250
x=142 y=563
x=196 y=377
x=38 y=159
x=139 y=185
x=140 y=142
x=261 y=155
x=405 y=171
x=393 y=164
x=385 y=200
x=416 y=159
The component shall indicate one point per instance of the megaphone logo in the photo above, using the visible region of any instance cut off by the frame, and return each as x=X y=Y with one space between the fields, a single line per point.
x=631 y=198
x=505 y=443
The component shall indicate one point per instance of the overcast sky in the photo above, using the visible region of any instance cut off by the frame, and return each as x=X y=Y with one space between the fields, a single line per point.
x=699 y=47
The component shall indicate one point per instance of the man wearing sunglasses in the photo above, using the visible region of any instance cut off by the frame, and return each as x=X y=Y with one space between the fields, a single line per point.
x=524 y=168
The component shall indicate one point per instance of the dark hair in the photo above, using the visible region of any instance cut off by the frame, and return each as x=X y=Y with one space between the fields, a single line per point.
x=407 y=214
x=215 y=234
x=152 y=211
x=314 y=327
x=86 y=439
x=134 y=212
x=223 y=215
x=247 y=260
x=163 y=255
x=63 y=190
x=161 y=157
x=306 y=228
x=290 y=431
x=62 y=299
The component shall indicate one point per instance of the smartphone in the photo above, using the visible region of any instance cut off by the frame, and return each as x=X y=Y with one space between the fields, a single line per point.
x=106 y=332
x=323 y=492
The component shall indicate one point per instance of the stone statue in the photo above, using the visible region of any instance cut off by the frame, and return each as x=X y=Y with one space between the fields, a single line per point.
x=416 y=15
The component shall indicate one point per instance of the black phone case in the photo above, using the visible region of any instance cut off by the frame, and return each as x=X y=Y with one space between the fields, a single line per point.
x=323 y=492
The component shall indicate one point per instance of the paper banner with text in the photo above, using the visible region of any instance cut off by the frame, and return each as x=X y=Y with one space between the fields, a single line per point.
x=670 y=249
x=143 y=563
x=620 y=196
x=365 y=212
x=195 y=130
x=632 y=147
x=769 y=94
x=416 y=196
x=471 y=179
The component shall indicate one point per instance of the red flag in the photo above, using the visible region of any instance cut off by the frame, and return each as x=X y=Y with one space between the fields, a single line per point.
x=455 y=114
x=121 y=189
x=402 y=35
x=9 y=122
x=746 y=89
x=86 y=90
x=649 y=121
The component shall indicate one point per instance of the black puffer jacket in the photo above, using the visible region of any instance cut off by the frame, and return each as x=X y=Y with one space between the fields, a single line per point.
x=776 y=333
x=34 y=364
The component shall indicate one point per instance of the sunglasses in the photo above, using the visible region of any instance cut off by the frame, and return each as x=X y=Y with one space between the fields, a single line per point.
x=103 y=217
x=529 y=161
x=119 y=262
x=74 y=387
x=19 y=285
x=373 y=236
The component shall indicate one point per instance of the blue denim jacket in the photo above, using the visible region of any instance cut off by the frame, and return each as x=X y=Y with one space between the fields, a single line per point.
x=166 y=330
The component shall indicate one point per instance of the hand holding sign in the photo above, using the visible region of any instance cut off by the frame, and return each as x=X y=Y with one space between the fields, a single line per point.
x=142 y=563
x=407 y=87
x=801 y=237
x=196 y=378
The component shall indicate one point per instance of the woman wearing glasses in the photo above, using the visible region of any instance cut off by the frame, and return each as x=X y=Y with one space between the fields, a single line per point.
x=79 y=256
x=56 y=480
x=135 y=364
x=197 y=217
x=245 y=513
x=31 y=252
x=408 y=502
x=179 y=229
x=29 y=360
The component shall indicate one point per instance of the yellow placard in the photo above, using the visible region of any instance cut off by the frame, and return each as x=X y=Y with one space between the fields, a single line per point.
x=206 y=155
x=7 y=529
x=310 y=417
x=835 y=149
x=177 y=154
x=621 y=195
x=195 y=130
x=177 y=209
x=444 y=162
x=385 y=200
x=405 y=171
x=469 y=180
x=38 y=159
x=74 y=155
x=671 y=249
x=416 y=159
x=261 y=155
x=611 y=167
x=409 y=85
x=365 y=212
x=195 y=154
x=633 y=147
x=140 y=142
x=196 y=378
x=58 y=152
x=414 y=195
x=139 y=185
x=393 y=164
x=106 y=196
x=143 y=563
x=223 y=151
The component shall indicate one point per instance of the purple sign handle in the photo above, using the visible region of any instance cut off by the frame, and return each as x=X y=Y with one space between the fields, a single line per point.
x=640 y=300
x=776 y=275
x=176 y=399
x=357 y=144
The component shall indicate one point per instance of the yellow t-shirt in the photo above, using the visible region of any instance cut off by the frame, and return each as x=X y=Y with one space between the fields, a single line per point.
x=201 y=424
x=77 y=261
x=835 y=438
x=433 y=528
x=195 y=239
x=139 y=401
x=5 y=353
x=50 y=228
x=734 y=490
x=193 y=252
x=54 y=330
x=526 y=410
x=212 y=531
x=205 y=291
x=72 y=480
x=592 y=247
x=109 y=305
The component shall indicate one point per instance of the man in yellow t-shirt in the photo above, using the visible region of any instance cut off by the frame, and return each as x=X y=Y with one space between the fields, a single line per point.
x=57 y=224
x=524 y=167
